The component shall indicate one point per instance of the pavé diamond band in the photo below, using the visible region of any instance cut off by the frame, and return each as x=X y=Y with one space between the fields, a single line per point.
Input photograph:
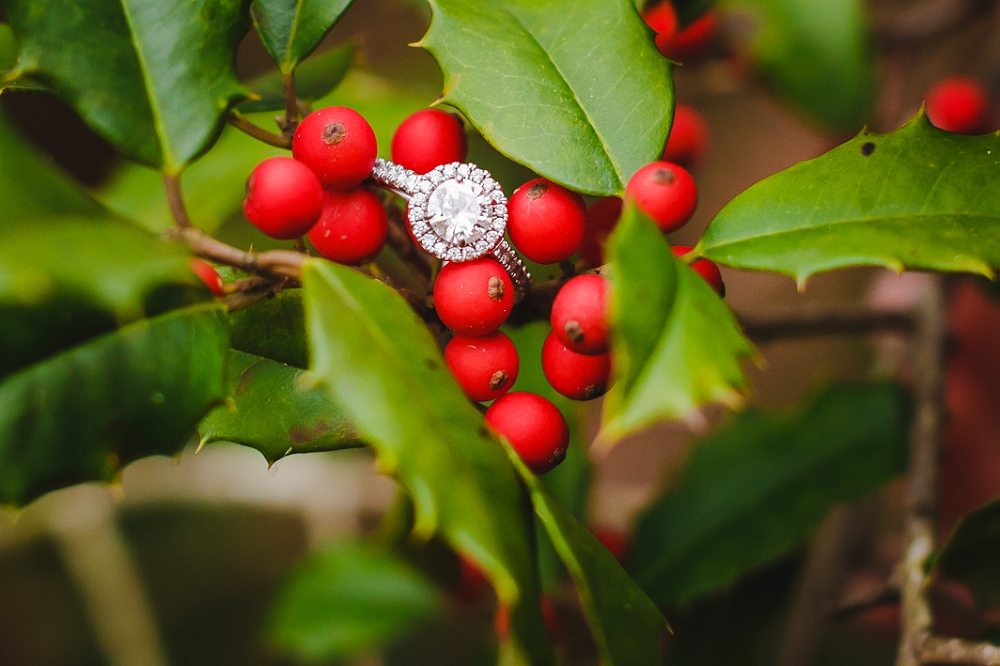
x=456 y=212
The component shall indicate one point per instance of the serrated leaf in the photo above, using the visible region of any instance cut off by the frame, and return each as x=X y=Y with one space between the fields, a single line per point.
x=625 y=624
x=276 y=409
x=380 y=363
x=139 y=391
x=291 y=29
x=347 y=598
x=67 y=279
x=761 y=485
x=971 y=553
x=274 y=328
x=676 y=346
x=818 y=55
x=314 y=78
x=917 y=198
x=154 y=78
x=573 y=89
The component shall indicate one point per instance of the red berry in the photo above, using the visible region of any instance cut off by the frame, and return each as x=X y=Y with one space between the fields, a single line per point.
x=662 y=19
x=208 y=275
x=576 y=376
x=429 y=138
x=546 y=221
x=665 y=192
x=615 y=541
x=533 y=426
x=580 y=314
x=485 y=367
x=472 y=582
x=338 y=144
x=473 y=297
x=691 y=41
x=958 y=104
x=706 y=268
x=602 y=218
x=284 y=198
x=352 y=228
x=688 y=137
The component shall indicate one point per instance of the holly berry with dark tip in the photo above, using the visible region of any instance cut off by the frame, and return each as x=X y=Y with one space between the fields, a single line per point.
x=485 y=367
x=208 y=275
x=352 y=228
x=602 y=218
x=665 y=192
x=338 y=144
x=688 y=137
x=690 y=42
x=284 y=198
x=706 y=268
x=546 y=221
x=575 y=376
x=473 y=297
x=580 y=314
x=427 y=139
x=958 y=104
x=533 y=426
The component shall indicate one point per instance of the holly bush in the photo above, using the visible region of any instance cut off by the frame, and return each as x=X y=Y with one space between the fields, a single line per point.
x=113 y=349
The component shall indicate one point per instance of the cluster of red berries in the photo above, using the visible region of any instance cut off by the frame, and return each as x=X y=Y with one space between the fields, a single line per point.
x=959 y=104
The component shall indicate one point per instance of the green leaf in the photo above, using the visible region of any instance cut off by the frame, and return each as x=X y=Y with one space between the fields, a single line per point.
x=381 y=364
x=971 y=553
x=347 y=598
x=274 y=328
x=291 y=29
x=817 y=54
x=573 y=89
x=82 y=414
x=154 y=78
x=32 y=185
x=8 y=49
x=625 y=624
x=67 y=279
x=761 y=485
x=314 y=78
x=918 y=198
x=676 y=345
x=276 y=409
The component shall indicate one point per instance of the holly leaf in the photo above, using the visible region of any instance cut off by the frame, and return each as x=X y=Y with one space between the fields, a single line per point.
x=154 y=78
x=276 y=409
x=347 y=598
x=314 y=78
x=379 y=361
x=291 y=29
x=139 y=391
x=676 y=345
x=917 y=198
x=971 y=553
x=65 y=280
x=625 y=624
x=817 y=55
x=8 y=49
x=573 y=89
x=274 y=328
x=761 y=485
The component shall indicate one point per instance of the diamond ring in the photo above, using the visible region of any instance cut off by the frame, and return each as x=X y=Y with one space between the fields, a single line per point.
x=456 y=212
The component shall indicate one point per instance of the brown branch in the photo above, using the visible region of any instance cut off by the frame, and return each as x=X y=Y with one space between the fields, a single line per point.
x=259 y=133
x=290 y=121
x=859 y=321
x=281 y=266
x=175 y=199
x=937 y=650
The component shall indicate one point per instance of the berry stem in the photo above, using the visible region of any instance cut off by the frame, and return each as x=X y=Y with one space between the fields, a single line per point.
x=291 y=119
x=300 y=245
x=175 y=199
x=259 y=133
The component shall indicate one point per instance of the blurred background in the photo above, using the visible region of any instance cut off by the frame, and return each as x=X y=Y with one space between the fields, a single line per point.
x=178 y=561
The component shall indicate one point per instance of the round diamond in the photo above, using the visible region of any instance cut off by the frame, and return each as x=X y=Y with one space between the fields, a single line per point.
x=455 y=214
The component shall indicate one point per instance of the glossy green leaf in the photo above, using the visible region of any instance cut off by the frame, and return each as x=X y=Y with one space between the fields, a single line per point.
x=676 y=344
x=67 y=279
x=625 y=624
x=291 y=29
x=274 y=328
x=139 y=391
x=154 y=78
x=382 y=365
x=32 y=185
x=314 y=78
x=347 y=598
x=276 y=409
x=918 y=198
x=761 y=485
x=8 y=49
x=971 y=553
x=573 y=89
x=818 y=55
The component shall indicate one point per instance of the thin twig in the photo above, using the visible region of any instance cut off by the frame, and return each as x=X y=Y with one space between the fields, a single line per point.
x=937 y=650
x=291 y=119
x=860 y=321
x=284 y=266
x=259 y=133
x=175 y=199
